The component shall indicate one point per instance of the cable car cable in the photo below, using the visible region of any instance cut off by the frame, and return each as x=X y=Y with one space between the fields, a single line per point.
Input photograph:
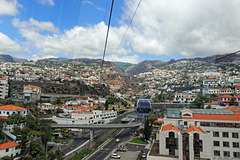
x=127 y=29
x=105 y=46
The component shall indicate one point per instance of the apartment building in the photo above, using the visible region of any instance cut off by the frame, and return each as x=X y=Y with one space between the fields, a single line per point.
x=189 y=134
x=3 y=88
x=31 y=92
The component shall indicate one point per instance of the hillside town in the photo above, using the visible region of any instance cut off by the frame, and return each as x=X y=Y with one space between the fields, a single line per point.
x=192 y=103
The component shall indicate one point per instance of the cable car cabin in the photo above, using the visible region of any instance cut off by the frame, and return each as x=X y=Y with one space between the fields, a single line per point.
x=143 y=107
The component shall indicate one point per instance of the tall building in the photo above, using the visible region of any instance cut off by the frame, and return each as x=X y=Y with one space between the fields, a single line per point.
x=3 y=88
x=190 y=134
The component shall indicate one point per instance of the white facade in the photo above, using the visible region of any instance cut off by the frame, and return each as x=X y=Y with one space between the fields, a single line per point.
x=10 y=149
x=89 y=117
x=7 y=110
x=3 y=88
x=217 y=132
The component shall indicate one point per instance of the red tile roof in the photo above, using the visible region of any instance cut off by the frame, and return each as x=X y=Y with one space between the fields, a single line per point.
x=225 y=96
x=218 y=117
x=194 y=129
x=2 y=117
x=11 y=107
x=212 y=103
x=169 y=127
x=31 y=86
x=233 y=108
x=8 y=145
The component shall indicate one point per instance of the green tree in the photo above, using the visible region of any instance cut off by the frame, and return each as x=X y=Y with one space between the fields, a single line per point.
x=36 y=148
x=232 y=102
x=147 y=130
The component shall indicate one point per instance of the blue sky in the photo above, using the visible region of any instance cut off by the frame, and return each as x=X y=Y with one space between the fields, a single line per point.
x=161 y=30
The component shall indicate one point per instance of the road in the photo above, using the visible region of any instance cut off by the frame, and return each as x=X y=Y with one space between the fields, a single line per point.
x=77 y=141
x=103 y=153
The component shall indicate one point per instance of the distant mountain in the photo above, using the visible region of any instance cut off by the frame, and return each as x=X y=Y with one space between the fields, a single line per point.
x=145 y=66
x=122 y=66
x=228 y=57
x=19 y=60
x=86 y=61
x=8 y=58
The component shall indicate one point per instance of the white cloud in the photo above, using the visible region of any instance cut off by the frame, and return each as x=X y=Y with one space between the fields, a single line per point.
x=192 y=28
x=9 y=7
x=87 y=2
x=34 y=25
x=78 y=42
x=46 y=2
x=166 y=27
x=127 y=59
x=7 y=45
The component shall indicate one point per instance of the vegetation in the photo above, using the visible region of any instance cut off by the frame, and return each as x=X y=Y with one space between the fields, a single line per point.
x=199 y=101
x=81 y=154
x=139 y=141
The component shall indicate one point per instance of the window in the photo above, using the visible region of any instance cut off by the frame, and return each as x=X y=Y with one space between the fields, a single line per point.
x=225 y=134
x=225 y=144
x=216 y=143
x=7 y=149
x=215 y=134
x=216 y=153
x=235 y=144
x=234 y=135
x=236 y=154
x=226 y=153
x=185 y=123
x=7 y=113
x=187 y=115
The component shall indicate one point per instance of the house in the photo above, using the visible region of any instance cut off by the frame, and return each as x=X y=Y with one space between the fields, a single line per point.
x=7 y=110
x=225 y=99
x=226 y=91
x=31 y=93
x=184 y=97
x=10 y=149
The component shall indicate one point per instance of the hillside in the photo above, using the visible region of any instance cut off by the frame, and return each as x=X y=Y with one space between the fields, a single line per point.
x=144 y=66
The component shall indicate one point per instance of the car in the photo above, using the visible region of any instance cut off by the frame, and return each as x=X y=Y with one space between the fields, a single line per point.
x=144 y=155
x=122 y=149
x=117 y=140
x=115 y=156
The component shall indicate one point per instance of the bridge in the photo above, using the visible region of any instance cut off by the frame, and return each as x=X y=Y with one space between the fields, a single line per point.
x=96 y=126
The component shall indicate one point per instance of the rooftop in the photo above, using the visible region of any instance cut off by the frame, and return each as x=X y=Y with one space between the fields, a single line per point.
x=8 y=145
x=11 y=107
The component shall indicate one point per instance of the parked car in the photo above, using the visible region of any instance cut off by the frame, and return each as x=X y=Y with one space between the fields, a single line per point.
x=122 y=149
x=115 y=156
x=144 y=155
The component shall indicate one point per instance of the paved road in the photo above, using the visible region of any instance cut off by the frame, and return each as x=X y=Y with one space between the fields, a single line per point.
x=79 y=141
x=103 y=153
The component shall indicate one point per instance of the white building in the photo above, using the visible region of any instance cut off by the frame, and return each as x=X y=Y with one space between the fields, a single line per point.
x=3 y=88
x=10 y=149
x=87 y=117
x=184 y=97
x=7 y=110
x=199 y=134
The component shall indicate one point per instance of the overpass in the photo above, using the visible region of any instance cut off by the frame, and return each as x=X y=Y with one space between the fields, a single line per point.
x=96 y=126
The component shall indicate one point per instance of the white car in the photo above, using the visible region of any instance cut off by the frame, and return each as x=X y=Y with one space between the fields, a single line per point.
x=115 y=156
x=117 y=140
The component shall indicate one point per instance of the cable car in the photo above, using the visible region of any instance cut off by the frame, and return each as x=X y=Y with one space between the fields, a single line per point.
x=143 y=107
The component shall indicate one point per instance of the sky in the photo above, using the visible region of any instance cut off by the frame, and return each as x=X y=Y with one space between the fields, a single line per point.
x=160 y=30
